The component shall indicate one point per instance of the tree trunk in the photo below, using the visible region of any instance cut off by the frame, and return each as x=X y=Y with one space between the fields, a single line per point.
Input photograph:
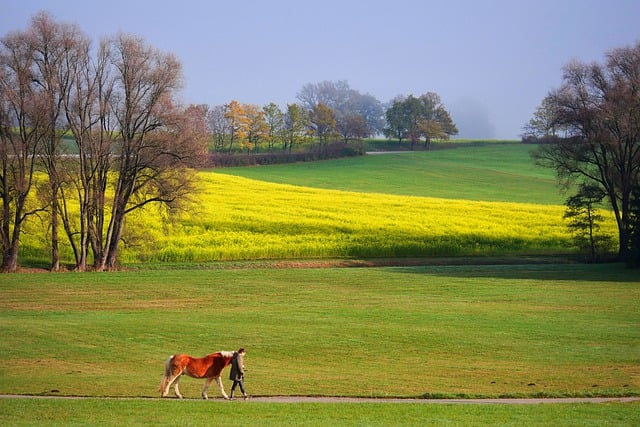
x=55 y=250
x=10 y=257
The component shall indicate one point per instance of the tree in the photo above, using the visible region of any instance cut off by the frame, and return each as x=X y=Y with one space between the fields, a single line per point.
x=584 y=221
x=128 y=130
x=22 y=119
x=599 y=106
x=275 y=122
x=436 y=122
x=218 y=126
x=414 y=118
x=353 y=126
x=323 y=122
x=56 y=48
x=238 y=122
x=296 y=123
x=397 y=122
x=86 y=177
x=332 y=94
x=633 y=257
x=365 y=106
x=257 y=127
x=344 y=101
x=415 y=113
x=150 y=153
x=542 y=124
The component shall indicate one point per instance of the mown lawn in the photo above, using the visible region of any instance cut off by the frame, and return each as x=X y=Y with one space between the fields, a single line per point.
x=408 y=332
x=438 y=331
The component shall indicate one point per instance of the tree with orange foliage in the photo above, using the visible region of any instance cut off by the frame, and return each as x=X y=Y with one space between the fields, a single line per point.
x=238 y=122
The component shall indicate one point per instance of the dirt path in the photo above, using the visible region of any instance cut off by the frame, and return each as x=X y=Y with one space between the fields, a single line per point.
x=306 y=399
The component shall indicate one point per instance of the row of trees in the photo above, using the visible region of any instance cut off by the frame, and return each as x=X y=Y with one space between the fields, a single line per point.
x=327 y=111
x=249 y=127
x=591 y=129
x=132 y=143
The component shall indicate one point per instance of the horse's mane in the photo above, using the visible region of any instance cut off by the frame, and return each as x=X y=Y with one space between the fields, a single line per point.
x=226 y=353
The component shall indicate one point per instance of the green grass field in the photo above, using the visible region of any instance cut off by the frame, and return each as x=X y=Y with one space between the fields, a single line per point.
x=440 y=331
x=537 y=330
x=492 y=172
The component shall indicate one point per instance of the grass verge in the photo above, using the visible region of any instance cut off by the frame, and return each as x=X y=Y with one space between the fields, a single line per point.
x=44 y=412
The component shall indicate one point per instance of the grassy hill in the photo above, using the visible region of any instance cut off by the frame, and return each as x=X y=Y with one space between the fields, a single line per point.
x=493 y=172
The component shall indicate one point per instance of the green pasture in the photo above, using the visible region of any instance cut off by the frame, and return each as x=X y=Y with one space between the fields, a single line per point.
x=501 y=172
x=434 y=331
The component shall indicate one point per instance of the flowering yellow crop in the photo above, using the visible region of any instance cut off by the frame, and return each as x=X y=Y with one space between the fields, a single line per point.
x=239 y=218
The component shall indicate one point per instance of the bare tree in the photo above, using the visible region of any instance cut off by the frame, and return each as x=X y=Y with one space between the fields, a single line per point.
x=87 y=114
x=55 y=47
x=599 y=105
x=21 y=122
x=542 y=124
x=149 y=150
x=218 y=125
x=344 y=102
x=129 y=133
x=353 y=126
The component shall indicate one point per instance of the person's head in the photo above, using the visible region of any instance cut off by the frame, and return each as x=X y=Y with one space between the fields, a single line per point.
x=242 y=351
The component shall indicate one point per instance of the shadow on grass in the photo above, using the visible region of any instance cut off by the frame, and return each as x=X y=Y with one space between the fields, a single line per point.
x=499 y=269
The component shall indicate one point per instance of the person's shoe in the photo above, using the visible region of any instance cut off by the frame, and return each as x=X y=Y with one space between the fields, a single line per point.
x=246 y=397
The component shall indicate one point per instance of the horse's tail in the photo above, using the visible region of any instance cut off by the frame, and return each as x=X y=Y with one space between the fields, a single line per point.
x=167 y=374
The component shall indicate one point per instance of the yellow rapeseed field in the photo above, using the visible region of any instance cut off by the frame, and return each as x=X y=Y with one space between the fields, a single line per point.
x=236 y=218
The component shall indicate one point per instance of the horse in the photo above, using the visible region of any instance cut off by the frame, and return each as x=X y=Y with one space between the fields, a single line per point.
x=209 y=367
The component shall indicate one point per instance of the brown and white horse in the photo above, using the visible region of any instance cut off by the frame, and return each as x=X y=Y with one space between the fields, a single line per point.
x=209 y=367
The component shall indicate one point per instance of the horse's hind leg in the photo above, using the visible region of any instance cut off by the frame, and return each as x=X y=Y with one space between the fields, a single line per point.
x=175 y=386
x=167 y=382
x=168 y=378
x=164 y=386
x=207 y=383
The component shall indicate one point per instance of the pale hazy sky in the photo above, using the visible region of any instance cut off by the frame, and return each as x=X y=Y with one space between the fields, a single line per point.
x=490 y=61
